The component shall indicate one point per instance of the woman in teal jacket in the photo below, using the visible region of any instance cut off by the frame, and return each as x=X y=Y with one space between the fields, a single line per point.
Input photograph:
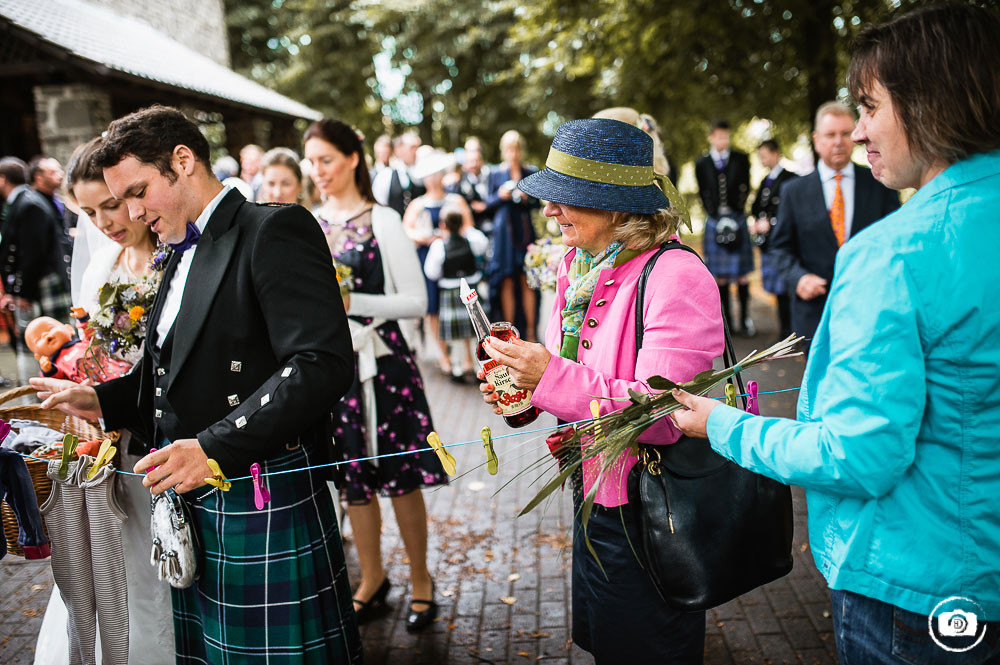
x=897 y=439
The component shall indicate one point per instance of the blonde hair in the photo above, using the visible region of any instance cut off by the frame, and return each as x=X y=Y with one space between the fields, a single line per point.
x=511 y=136
x=644 y=231
x=832 y=108
x=646 y=123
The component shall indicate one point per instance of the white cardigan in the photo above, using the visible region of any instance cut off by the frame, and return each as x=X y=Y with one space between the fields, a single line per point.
x=405 y=293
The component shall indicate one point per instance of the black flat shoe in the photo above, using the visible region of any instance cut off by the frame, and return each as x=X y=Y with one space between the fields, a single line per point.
x=374 y=606
x=416 y=621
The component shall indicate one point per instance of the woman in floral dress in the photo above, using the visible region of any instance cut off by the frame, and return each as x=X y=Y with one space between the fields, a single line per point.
x=387 y=285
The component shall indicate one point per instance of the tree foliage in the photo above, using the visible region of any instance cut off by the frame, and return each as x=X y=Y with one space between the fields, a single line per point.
x=480 y=67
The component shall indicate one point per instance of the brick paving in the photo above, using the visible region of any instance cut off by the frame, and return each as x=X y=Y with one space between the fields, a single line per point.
x=503 y=582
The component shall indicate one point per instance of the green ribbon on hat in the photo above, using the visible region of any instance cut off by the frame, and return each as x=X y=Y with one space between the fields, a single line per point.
x=624 y=175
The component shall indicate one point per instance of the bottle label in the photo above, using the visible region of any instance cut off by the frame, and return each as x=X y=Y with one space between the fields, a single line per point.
x=513 y=400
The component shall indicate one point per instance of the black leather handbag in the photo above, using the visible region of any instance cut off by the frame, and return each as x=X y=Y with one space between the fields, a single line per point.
x=708 y=529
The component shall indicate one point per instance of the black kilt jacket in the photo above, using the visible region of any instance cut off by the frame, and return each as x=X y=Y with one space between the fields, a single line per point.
x=260 y=348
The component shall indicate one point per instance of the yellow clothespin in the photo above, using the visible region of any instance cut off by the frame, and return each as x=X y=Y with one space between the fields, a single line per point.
x=595 y=411
x=218 y=478
x=492 y=463
x=104 y=456
x=68 y=448
x=730 y=394
x=447 y=461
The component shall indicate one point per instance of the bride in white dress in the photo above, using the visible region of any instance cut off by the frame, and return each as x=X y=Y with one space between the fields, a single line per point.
x=111 y=248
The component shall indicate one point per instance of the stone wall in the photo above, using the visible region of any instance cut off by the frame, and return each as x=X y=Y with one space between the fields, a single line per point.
x=198 y=24
x=68 y=115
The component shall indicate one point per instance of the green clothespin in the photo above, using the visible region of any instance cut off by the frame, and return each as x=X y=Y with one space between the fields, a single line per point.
x=730 y=394
x=68 y=448
x=492 y=463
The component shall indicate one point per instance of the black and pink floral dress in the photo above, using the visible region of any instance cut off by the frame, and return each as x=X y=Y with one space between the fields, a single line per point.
x=402 y=412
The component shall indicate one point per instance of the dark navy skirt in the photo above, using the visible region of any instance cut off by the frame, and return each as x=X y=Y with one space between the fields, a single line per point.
x=729 y=262
x=620 y=618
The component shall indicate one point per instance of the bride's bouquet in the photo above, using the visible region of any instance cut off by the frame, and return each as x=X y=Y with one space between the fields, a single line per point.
x=119 y=324
x=541 y=263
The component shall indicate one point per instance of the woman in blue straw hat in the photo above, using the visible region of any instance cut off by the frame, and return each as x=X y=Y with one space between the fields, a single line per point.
x=614 y=214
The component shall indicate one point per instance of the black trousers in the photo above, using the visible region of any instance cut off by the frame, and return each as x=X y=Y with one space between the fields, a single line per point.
x=618 y=616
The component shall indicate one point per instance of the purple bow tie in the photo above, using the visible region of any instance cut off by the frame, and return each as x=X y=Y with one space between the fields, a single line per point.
x=190 y=240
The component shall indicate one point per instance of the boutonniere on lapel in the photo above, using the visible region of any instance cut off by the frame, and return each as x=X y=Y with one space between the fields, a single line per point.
x=160 y=257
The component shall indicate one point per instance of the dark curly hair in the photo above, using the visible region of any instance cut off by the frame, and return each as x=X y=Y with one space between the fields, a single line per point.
x=150 y=135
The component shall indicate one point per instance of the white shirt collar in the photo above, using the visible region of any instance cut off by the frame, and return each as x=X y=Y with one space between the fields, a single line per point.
x=775 y=172
x=716 y=156
x=203 y=218
x=827 y=173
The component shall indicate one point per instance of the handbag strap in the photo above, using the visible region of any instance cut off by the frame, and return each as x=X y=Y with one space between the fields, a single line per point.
x=729 y=353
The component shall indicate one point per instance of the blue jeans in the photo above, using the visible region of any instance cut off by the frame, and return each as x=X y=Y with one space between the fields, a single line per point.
x=870 y=632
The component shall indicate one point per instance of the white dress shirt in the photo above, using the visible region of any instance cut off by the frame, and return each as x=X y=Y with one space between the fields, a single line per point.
x=716 y=155
x=382 y=182
x=846 y=186
x=175 y=290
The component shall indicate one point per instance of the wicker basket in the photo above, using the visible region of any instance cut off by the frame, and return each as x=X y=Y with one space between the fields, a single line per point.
x=51 y=418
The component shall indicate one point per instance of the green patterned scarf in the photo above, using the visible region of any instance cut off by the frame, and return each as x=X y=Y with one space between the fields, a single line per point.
x=583 y=274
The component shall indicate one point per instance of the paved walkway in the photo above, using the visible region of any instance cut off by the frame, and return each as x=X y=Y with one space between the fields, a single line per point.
x=503 y=582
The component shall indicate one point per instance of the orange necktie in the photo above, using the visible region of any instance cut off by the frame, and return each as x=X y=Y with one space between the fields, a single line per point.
x=837 y=212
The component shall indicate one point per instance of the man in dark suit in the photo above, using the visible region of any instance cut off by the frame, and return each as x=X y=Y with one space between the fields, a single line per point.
x=237 y=367
x=821 y=211
x=764 y=213
x=394 y=186
x=46 y=175
x=724 y=183
x=31 y=258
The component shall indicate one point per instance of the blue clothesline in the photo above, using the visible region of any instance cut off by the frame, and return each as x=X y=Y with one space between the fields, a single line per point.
x=404 y=452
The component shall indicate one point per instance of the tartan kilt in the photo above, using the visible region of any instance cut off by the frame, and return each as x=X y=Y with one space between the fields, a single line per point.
x=272 y=583
x=732 y=262
x=454 y=322
x=54 y=298
x=770 y=276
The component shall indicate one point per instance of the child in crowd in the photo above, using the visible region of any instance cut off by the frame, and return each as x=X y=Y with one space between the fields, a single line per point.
x=449 y=260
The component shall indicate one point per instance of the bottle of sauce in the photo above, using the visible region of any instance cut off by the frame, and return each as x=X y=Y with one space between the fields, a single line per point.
x=515 y=403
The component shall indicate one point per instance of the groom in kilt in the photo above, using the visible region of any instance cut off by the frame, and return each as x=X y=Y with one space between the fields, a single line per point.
x=247 y=350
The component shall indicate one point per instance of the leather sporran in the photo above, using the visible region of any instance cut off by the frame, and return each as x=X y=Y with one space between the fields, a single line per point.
x=708 y=529
x=727 y=230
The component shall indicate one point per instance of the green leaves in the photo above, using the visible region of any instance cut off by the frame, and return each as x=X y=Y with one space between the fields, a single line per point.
x=660 y=383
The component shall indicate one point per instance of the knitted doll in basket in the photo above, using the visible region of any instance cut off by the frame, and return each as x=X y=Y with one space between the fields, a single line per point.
x=61 y=354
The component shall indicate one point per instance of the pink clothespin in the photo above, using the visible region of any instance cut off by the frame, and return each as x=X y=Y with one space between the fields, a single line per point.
x=260 y=493
x=152 y=450
x=752 y=405
x=4 y=429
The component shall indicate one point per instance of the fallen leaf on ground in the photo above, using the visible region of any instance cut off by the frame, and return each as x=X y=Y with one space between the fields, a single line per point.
x=477 y=486
x=508 y=600
x=513 y=577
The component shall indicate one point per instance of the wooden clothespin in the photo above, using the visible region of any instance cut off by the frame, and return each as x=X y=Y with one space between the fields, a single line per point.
x=68 y=448
x=104 y=456
x=447 y=461
x=752 y=405
x=492 y=463
x=595 y=411
x=218 y=478
x=730 y=394
x=260 y=493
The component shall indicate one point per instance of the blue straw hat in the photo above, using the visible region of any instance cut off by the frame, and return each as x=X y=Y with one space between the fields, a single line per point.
x=599 y=163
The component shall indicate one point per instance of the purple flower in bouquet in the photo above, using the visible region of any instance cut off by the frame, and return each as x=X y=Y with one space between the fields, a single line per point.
x=160 y=257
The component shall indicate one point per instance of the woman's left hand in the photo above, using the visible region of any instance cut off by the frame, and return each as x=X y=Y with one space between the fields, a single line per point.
x=526 y=361
x=693 y=420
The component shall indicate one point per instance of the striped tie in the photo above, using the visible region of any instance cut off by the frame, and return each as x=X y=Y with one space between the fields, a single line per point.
x=837 y=212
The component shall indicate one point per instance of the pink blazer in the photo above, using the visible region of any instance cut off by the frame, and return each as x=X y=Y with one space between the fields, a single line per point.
x=683 y=334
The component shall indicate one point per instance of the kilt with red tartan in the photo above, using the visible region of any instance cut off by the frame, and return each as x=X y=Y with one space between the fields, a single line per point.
x=272 y=583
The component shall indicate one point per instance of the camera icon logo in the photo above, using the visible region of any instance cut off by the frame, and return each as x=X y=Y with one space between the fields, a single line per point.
x=957 y=623
x=954 y=624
